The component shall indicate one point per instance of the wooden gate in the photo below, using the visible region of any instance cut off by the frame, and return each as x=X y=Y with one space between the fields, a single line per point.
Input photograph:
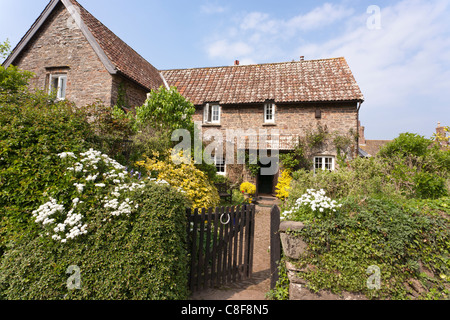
x=221 y=245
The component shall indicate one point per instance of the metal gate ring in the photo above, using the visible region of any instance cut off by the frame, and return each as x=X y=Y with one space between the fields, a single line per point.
x=228 y=221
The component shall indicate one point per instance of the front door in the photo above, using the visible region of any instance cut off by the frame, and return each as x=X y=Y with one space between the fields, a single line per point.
x=266 y=182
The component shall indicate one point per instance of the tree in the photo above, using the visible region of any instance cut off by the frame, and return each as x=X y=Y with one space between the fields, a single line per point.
x=407 y=144
x=5 y=50
x=12 y=79
x=166 y=109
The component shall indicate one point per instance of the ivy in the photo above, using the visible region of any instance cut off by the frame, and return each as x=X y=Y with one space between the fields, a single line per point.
x=402 y=239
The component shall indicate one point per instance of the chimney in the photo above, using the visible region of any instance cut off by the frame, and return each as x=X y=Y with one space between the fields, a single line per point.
x=362 y=137
x=302 y=58
x=440 y=131
x=236 y=63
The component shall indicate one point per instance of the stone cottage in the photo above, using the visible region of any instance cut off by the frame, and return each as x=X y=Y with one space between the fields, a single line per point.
x=74 y=54
x=291 y=98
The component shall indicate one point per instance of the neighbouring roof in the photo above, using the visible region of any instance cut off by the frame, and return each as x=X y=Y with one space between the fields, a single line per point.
x=115 y=54
x=372 y=147
x=363 y=153
x=323 y=80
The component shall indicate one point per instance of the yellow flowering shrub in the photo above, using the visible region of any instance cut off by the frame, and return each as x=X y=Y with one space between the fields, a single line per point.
x=248 y=188
x=284 y=185
x=191 y=181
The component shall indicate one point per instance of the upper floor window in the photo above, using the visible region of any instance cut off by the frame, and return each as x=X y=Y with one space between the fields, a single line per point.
x=212 y=113
x=324 y=163
x=269 y=113
x=58 y=85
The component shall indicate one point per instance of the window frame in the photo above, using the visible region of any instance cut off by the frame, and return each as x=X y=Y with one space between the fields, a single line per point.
x=216 y=164
x=269 y=106
x=212 y=113
x=324 y=164
x=61 y=89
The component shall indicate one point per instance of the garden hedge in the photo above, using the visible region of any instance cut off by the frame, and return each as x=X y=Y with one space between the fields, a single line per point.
x=140 y=257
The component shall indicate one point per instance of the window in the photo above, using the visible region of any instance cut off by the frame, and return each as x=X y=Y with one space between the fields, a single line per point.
x=58 y=84
x=318 y=114
x=220 y=164
x=269 y=113
x=324 y=163
x=211 y=113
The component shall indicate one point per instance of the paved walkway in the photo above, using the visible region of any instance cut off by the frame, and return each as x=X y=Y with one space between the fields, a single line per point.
x=257 y=287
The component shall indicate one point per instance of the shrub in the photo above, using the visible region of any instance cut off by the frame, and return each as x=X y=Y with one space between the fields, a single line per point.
x=92 y=179
x=406 y=144
x=429 y=186
x=312 y=205
x=248 y=188
x=401 y=238
x=141 y=256
x=284 y=185
x=33 y=130
x=361 y=176
x=193 y=182
x=237 y=197
x=112 y=133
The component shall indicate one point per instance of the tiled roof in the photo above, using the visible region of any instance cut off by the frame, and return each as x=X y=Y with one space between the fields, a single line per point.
x=123 y=57
x=372 y=147
x=301 y=81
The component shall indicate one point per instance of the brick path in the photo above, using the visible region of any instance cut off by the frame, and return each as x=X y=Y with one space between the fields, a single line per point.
x=257 y=287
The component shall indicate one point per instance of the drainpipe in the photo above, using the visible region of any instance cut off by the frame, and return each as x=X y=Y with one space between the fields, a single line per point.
x=357 y=127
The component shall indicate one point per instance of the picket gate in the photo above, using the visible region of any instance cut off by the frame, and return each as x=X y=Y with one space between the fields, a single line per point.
x=221 y=244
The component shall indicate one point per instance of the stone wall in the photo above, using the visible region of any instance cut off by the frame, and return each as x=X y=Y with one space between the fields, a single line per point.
x=60 y=46
x=290 y=120
x=293 y=248
x=135 y=94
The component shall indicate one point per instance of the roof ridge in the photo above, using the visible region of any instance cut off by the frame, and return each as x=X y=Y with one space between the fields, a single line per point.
x=150 y=78
x=97 y=20
x=115 y=54
x=256 y=64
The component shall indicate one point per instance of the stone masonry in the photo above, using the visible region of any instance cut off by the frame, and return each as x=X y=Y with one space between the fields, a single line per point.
x=60 y=47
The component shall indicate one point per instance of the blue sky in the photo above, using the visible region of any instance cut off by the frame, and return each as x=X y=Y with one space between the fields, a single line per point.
x=400 y=58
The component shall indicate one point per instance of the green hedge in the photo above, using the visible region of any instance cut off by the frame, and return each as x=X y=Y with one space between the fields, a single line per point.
x=32 y=132
x=141 y=257
x=408 y=241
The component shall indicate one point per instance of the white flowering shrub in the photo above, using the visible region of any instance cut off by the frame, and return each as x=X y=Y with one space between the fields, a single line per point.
x=94 y=179
x=314 y=204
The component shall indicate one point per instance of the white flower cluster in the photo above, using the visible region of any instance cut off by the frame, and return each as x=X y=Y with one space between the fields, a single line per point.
x=111 y=187
x=69 y=225
x=317 y=201
x=48 y=213
x=47 y=210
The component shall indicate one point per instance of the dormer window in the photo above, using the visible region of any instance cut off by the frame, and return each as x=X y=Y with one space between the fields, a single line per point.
x=269 y=112
x=58 y=85
x=212 y=113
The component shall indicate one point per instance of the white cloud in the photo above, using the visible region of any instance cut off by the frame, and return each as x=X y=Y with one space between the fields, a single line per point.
x=267 y=35
x=319 y=17
x=403 y=69
x=210 y=8
x=232 y=49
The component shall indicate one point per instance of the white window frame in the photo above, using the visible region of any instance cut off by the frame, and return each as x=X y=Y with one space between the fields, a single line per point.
x=224 y=173
x=326 y=163
x=212 y=113
x=269 y=107
x=62 y=85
